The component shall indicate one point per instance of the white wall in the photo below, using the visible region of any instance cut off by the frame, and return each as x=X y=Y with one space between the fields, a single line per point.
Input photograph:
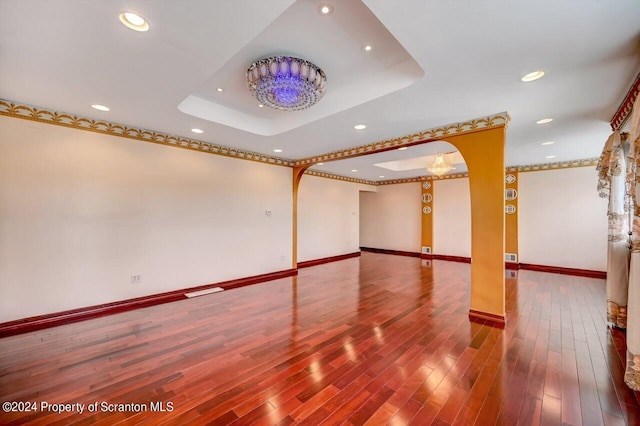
x=390 y=217
x=452 y=217
x=80 y=212
x=328 y=217
x=562 y=221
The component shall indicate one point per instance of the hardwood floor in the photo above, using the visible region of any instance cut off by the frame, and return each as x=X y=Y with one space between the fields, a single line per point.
x=379 y=339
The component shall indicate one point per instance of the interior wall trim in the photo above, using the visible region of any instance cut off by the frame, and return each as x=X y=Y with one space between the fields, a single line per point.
x=329 y=259
x=448 y=258
x=565 y=271
x=623 y=113
x=40 y=322
x=42 y=115
x=437 y=133
x=393 y=252
x=586 y=162
x=28 y=112
x=423 y=178
x=338 y=177
x=508 y=265
x=487 y=318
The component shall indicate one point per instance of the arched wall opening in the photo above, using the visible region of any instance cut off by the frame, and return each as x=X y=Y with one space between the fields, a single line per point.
x=483 y=151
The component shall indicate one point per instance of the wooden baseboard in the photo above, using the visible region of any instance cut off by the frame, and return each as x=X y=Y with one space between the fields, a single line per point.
x=487 y=318
x=394 y=252
x=451 y=258
x=508 y=265
x=315 y=262
x=40 y=322
x=566 y=271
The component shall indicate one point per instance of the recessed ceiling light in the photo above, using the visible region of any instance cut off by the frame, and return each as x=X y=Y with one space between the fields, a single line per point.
x=544 y=121
x=550 y=156
x=381 y=176
x=354 y=170
x=547 y=143
x=197 y=130
x=325 y=9
x=220 y=89
x=367 y=48
x=260 y=105
x=277 y=150
x=100 y=107
x=359 y=127
x=402 y=148
x=532 y=76
x=134 y=21
x=320 y=164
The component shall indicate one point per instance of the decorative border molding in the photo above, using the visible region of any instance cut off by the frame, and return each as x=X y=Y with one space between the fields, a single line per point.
x=40 y=322
x=27 y=112
x=393 y=252
x=461 y=259
x=338 y=177
x=308 y=263
x=405 y=180
x=487 y=318
x=438 y=133
x=423 y=178
x=624 y=110
x=587 y=162
x=565 y=271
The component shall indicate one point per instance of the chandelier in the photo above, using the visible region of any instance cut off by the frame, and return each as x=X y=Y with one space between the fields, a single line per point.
x=286 y=83
x=441 y=165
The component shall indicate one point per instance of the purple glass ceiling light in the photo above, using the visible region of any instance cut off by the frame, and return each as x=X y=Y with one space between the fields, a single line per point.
x=286 y=83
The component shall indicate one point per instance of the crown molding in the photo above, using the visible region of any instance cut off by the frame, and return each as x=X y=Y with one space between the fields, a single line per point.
x=338 y=177
x=624 y=110
x=28 y=112
x=430 y=135
x=587 y=162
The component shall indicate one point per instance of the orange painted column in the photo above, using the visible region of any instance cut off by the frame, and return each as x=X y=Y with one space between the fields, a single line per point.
x=483 y=152
x=427 y=219
x=297 y=176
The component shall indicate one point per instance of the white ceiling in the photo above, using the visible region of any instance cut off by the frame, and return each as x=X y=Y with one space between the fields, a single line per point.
x=469 y=55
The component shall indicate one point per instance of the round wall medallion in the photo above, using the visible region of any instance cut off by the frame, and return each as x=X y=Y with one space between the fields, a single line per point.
x=509 y=209
x=426 y=185
x=426 y=198
x=510 y=194
x=510 y=178
x=426 y=210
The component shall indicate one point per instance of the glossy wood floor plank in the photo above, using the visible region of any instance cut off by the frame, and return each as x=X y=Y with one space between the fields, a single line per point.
x=379 y=339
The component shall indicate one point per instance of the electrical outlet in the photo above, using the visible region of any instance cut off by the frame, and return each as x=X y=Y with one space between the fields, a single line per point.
x=136 y=278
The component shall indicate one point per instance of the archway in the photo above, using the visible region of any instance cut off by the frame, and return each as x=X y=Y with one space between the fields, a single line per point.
x=482 y=144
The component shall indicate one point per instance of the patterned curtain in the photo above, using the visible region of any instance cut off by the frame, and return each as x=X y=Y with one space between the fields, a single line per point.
x=632 y=373
x=611 y=185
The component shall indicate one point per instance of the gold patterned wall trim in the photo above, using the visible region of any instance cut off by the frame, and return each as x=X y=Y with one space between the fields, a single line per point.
x=438 y=133
x=338 y=177
x=588 y=162
x=623 y=113
x=423 y=178
x=27 y=112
